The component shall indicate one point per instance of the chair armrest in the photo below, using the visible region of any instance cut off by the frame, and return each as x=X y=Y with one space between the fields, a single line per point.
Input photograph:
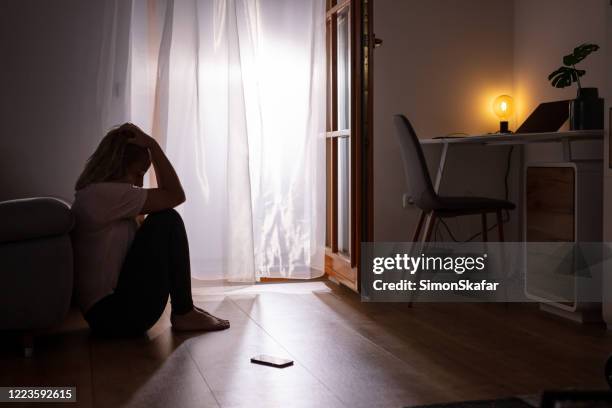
x=32 y=218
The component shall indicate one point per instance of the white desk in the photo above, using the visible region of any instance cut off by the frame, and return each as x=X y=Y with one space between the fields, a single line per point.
x=566 y=138
x=497 y=139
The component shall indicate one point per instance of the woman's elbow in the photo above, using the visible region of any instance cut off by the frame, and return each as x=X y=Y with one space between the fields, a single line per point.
x=175 y=199
x=181 y=198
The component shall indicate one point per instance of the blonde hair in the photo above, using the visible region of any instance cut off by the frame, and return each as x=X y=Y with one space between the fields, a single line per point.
x=112 y=157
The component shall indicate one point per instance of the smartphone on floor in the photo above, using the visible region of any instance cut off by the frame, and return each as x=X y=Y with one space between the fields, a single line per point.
x=272 y=361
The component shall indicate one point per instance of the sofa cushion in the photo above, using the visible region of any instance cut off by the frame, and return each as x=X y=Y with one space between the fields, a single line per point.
x=32 y=218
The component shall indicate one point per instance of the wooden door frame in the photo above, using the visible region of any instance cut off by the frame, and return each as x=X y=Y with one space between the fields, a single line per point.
x=361 y=216
x=363 y=122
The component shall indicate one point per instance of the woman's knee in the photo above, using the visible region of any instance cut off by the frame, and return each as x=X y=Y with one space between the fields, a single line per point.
x=169 y=217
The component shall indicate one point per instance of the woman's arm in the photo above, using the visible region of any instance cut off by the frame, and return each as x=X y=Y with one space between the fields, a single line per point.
x=169 y=192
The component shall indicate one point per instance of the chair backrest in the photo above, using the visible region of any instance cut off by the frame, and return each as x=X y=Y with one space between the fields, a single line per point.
x=419 y=183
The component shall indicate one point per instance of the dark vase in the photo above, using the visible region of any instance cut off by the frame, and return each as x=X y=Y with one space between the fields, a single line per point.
x=587 y=110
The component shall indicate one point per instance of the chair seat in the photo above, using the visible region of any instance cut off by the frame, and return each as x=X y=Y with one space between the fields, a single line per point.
x=452 y=206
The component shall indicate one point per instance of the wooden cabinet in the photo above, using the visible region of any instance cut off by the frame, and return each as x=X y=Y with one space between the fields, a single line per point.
x=550 y=204
x=564 y=202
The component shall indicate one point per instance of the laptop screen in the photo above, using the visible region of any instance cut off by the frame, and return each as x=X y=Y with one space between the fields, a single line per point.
x=547 y=117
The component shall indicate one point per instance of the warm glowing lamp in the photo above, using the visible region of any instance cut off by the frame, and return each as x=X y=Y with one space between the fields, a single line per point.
x=503 y=108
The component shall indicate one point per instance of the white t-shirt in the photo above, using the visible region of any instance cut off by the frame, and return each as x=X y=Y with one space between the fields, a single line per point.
x=104 y=230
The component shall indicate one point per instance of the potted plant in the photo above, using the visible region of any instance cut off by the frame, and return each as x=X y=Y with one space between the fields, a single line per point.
x=586 y=111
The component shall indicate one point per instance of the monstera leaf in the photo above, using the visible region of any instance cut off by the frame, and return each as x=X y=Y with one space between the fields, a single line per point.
x=580 y=53
x=568 y=74
x=565 y=76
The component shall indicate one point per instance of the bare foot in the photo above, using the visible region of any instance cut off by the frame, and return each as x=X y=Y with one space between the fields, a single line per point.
x=195 y=320
x=206 y=313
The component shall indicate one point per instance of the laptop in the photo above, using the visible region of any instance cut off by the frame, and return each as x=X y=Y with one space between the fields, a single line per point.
x=547 y=117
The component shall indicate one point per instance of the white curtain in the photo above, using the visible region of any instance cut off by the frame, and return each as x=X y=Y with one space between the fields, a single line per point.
x=235 y=92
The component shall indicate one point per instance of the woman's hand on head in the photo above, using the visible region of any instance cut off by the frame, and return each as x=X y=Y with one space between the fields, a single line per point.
x=141 y=138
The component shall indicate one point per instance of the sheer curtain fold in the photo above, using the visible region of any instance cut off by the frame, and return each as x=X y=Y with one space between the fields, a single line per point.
x=235 y=91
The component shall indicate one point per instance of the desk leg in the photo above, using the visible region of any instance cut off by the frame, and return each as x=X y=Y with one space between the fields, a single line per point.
x=567 y=150
x=438 y=180
x=522 y=190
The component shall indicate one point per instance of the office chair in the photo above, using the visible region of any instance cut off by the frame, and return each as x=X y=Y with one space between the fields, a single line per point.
x=432 y=205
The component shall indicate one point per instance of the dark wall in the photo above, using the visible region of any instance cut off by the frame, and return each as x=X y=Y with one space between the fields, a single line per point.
x=49 y=53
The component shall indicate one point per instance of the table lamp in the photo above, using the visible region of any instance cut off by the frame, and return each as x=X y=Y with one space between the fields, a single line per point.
x=503 y=108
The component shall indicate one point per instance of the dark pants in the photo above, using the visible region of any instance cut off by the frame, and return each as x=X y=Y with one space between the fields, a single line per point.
x=157 y=265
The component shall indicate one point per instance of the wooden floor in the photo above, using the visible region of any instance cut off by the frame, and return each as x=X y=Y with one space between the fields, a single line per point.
x=347 y=354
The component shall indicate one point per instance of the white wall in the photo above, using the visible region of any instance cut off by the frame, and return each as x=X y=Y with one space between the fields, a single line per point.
x=442 y=64
x=48 y=71
x=545 y=31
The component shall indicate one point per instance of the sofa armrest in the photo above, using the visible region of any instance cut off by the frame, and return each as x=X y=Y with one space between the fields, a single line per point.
x=32 y=218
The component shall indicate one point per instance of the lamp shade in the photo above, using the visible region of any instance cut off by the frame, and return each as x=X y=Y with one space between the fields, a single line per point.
x=503 y=107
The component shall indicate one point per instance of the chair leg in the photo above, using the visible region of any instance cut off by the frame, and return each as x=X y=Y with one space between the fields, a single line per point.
x=484 y=227
x=419 y=226
x=500 y=225
x=430 y=226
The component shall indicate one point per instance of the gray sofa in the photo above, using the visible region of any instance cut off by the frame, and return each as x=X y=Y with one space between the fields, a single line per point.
x=35 y=263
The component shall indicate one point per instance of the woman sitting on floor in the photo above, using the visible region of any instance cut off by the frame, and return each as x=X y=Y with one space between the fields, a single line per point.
x=125 y=272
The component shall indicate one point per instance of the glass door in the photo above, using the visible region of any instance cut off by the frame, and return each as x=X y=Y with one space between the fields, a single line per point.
x=343 y=131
